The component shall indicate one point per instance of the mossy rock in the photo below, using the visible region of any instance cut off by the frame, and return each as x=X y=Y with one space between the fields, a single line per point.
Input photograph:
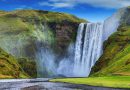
x=29 y=66
x=9 y=67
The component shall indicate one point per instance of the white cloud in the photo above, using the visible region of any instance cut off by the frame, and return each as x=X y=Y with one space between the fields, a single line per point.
x=95 y=3
x=107 y=3
x=23 y=7
x=59 y=3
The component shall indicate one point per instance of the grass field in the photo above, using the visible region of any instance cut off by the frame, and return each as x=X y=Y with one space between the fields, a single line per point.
x=113 y=81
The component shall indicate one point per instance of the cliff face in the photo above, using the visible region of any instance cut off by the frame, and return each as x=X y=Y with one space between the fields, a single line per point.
x=22 y=32
x=116 y=56
x=65 y=33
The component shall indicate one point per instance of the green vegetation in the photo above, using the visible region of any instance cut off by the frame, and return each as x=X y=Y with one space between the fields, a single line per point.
x=116 y=56
x=46 y=16
x=114 y=81
x=9 y=67
x=29 y=66
x=40 y=15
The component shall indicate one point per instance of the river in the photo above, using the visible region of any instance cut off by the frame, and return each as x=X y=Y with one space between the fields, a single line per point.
x=44 y=84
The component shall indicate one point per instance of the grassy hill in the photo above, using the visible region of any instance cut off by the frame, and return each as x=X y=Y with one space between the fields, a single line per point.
x=47 y=16
x=116 y=56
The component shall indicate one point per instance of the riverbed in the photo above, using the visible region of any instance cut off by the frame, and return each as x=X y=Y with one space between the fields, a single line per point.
x=44 y=84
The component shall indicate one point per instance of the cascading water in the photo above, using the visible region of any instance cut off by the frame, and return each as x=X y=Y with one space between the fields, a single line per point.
x=111 y=24
x=88 y=48
x=46 y=66
x=65 y=67
x=89 y=42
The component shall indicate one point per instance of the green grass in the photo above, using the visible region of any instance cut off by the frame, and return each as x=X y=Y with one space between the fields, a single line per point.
x=43 y=15
x=114 y=81
x=116 y=55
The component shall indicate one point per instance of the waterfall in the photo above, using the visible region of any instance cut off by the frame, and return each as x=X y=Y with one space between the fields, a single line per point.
x=89 y=42
x=81 y=57
x=65 y=67
x=45 y=57
x=88 y=48
x=46 y=66
x=111 y=24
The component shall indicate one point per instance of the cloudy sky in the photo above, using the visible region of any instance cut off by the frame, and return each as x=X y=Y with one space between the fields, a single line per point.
x=92 y=10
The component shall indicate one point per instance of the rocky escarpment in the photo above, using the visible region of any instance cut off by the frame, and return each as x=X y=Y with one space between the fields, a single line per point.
x=22 y=32
x=116 y=55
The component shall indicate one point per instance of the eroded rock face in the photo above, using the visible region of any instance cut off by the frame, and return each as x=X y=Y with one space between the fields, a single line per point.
x=65 y=33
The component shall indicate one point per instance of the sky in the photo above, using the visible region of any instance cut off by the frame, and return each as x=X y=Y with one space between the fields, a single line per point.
x=91 y=10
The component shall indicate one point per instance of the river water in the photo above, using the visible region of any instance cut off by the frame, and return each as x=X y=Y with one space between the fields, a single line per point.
x=43 y=84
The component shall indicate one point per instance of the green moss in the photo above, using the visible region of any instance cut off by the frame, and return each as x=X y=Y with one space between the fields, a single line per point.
x=29 y=66
x=9 y=67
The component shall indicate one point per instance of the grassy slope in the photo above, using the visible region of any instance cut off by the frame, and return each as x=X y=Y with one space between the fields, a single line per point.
x=115 y=81
x=9 y=68
x=116 y=57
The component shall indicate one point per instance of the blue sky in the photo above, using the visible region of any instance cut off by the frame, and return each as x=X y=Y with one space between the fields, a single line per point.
x=92 y=10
